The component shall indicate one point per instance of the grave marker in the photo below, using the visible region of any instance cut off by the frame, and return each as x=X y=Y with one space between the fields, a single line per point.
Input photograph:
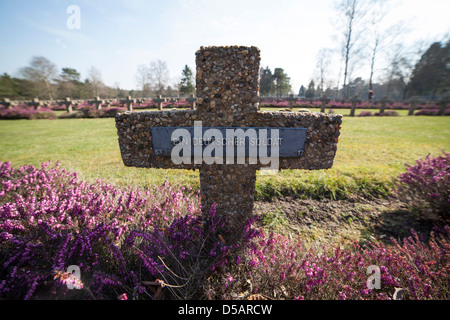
x=292 y=100
x=412 y=106
x=129 y=103
x=443 y=105
x=159 y=100
x=97 y=102
x=383 y=101
x=68 y=103
x=36 y=103
x=7 y=103
x=227 y=86
x=192 y=101
x=324 y=99
x=355 y=100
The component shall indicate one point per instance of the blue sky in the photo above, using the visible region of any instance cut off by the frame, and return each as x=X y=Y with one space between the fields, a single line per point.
x=118 y=35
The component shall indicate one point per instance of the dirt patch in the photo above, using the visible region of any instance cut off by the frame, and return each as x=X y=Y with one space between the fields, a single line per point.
x=330 y=221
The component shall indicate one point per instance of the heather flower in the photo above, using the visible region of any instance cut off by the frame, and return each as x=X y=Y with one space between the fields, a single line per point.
x=22 y=111
x=123 y=296
x=337 y=272
x=121 y=238
x=426 y=184
x=50 y=220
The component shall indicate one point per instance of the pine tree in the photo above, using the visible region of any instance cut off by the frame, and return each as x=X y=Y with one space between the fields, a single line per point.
x=301 y=92
x=282 y=82
x=187 y=84
x=432 y=73
x=266 y=82
x=310 y=92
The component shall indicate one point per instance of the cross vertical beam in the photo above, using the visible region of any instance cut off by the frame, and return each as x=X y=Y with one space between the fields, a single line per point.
x=324 y=100
x=227 y=84
x=192 y=99
x=355 y=101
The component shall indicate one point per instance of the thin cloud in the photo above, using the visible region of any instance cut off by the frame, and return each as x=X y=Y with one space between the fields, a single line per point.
x=75 y=36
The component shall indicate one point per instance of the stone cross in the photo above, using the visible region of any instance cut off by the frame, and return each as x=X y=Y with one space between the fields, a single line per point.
x=129 y=103
x=36 y=103
x=192 y=101
x=383 y=101
x=355 y=100
x=443 y=105
x=412 y=106
x=97 y=102
x=227 y=86
x=159 y=100
x=7 y=103
x=324 y=99
x=68 y=103
x=292 y=100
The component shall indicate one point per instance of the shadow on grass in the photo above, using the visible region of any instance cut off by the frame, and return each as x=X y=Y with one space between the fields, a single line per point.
x=398 y=224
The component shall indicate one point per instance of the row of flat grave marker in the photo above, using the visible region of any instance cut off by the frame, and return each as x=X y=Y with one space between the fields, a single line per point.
x=216 y=138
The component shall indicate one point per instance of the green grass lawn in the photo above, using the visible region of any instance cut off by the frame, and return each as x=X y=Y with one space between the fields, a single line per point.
x=371 y=151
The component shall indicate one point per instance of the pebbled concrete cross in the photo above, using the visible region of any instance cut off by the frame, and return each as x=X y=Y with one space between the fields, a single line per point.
x=227 y=87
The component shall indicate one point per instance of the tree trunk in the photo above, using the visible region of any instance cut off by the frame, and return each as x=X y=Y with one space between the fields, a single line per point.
x=348 y=46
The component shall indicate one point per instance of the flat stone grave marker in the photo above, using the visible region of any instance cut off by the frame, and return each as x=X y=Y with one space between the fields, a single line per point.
x=216 y=138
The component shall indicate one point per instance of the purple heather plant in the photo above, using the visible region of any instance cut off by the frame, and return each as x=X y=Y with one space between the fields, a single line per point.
x=365 y=114
x=387 y=113
x=90 y=111
x=433 y=111
x=122 y=239
x=50 y=220
x=278 y=267
x=426 y=184
x=22 y=111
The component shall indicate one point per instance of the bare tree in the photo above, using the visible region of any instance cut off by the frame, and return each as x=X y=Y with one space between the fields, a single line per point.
x=41 y=73
x=353 y=13
x=95 y=79
x=160 y=75
x=176 y=85
x=323 y=62
x=380 y=38
x=144 y=79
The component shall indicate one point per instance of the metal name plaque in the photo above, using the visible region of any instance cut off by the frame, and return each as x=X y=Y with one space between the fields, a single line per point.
x=289 y=141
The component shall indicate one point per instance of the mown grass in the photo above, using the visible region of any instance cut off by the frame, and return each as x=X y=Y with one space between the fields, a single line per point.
x=371 y=151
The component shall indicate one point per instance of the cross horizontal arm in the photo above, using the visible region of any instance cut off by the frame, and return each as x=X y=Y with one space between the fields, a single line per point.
x=135 y=136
